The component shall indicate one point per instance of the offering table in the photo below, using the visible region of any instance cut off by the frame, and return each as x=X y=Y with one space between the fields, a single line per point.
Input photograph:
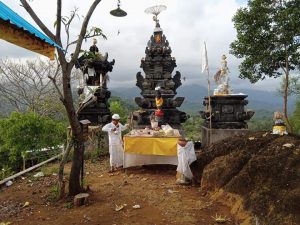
x=148 y=149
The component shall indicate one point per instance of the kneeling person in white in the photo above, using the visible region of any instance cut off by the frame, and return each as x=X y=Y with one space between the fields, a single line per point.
x=186 y=155
x=115 y=141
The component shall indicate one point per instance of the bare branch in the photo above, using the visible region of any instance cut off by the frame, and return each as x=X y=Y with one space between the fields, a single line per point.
x=67 y=26
x=283 y=68
x=38 y=21
x=83 y=31
x=58 y=21
x=61 y=97
x=87 y=37
x=58 y=69
x=26 y=85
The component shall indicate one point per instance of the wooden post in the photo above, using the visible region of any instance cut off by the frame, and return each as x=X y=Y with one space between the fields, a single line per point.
x=85 y=130
x=24 y=162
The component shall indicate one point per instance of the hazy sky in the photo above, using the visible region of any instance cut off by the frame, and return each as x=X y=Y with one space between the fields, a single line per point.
x=186 y=24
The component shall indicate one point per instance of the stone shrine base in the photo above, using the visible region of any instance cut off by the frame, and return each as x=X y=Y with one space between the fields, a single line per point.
x=210 y=136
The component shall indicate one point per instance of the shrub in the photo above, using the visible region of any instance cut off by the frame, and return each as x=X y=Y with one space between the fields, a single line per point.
x=21 y=132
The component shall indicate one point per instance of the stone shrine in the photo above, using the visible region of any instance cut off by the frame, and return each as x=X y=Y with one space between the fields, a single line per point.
x=158 y=66
x=92 y=88
x=225 y=114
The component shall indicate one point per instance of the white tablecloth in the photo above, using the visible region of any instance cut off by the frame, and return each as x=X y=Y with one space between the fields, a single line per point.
x=131 y=159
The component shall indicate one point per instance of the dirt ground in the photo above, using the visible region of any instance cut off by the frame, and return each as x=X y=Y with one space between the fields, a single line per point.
x=151 y=187
x=259 y=172
x=262 y=168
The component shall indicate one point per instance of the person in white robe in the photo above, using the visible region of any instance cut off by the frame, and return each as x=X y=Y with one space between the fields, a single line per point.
x=114 y=130
x=186 y=155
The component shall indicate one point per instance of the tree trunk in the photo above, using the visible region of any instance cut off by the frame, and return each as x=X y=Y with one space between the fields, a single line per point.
x=61 y=182
x=74 y=182
x=285 y=99
x=285 y=96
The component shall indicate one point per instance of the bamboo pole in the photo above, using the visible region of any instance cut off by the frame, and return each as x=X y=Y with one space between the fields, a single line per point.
x=29 y=169
x=209 y=106
x=208 y=90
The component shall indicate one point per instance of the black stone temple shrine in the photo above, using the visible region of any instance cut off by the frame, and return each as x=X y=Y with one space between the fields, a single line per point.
x=158 y=66
x=225 y=113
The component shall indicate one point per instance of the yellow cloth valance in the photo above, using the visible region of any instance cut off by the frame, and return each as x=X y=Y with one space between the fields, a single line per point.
x=166 y=146
x=24 y=39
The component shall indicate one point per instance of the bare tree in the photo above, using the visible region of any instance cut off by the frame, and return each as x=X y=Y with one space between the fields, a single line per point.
x=26 y=86
x=66 y=67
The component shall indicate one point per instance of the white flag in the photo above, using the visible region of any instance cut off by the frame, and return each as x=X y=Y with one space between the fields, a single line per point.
x=204 y=59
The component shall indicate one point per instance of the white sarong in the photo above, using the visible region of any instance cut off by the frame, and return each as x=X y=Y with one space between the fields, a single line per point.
x=116 y=155
x=186 y=155
x=115 y=143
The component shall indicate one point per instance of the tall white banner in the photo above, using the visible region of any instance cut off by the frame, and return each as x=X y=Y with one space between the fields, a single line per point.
x=204 y=59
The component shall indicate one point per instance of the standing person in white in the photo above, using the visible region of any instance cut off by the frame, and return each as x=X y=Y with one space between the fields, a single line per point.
x=186 y=155
x=115 y=141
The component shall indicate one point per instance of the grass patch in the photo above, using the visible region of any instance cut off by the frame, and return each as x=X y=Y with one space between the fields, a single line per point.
x=53 y=193
x=68 y=205
x=50 y=169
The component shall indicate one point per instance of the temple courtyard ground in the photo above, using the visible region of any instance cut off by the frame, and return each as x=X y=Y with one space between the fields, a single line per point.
x=153 y=188
x=259 y=172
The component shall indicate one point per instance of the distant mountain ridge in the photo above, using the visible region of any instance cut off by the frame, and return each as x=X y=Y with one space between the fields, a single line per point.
x=194 y=94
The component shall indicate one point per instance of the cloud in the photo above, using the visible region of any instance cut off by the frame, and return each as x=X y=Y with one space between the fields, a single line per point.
x=186 y=25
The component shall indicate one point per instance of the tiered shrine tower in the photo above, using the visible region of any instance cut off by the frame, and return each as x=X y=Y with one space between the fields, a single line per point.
x=158 y=66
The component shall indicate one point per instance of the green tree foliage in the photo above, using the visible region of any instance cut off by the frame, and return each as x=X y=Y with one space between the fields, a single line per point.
x=261 y=125
x=268 y=40
x=295 y=119
x=116 y=107
x=192 y=128
x=261 y=121
x=122 y=107
x=29 y=131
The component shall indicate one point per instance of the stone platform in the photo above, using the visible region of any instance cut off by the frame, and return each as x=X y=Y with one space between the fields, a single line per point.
x=210 y=136
x=227 y=112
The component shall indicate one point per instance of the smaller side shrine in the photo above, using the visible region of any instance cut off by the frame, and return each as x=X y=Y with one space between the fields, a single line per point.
x=158 y=85
x=225 y=114
x=92 y=88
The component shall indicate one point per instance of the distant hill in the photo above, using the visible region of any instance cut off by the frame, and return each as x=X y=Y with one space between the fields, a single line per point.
x=259 y=100
x=264 y=103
